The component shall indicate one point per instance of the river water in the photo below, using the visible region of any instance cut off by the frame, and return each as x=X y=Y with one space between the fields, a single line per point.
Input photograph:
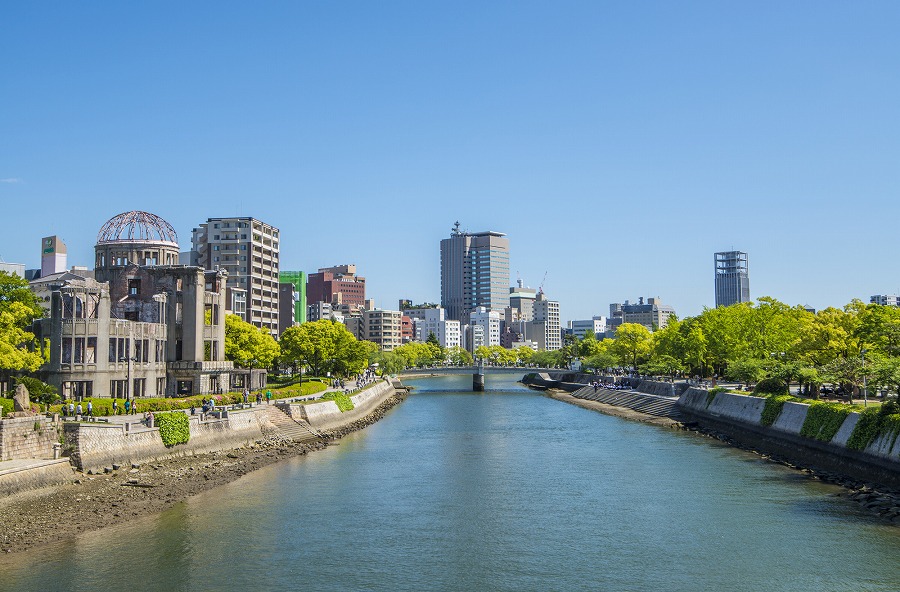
x=506 y=490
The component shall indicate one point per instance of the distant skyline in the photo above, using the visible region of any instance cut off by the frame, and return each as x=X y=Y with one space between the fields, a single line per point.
x=618 y=145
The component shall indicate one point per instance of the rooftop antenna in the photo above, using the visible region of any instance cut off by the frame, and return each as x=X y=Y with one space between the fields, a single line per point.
x=455 y=231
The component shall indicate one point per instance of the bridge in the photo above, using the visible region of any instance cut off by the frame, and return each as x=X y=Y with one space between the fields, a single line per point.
x=449 y=370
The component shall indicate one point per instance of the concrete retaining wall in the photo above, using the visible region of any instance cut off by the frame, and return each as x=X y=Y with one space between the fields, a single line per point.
x=327 y=416
x=95 y=446
x=35 y=476
x=739 y=416
x=27 y=437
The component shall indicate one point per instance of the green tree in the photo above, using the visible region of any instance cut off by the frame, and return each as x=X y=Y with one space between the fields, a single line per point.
x=524 y=354
x=632 y=344
x=458 y=355
x=15 y=355
x=19 y=308
x=325 y=346
x=248 y=346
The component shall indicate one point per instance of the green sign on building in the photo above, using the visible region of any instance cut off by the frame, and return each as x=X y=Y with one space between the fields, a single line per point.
x=298 y=279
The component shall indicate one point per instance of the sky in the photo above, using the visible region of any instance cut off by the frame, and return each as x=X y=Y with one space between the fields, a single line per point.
x=617 y=144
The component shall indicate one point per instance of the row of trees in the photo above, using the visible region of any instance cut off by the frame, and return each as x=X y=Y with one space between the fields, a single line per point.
x=766 y=339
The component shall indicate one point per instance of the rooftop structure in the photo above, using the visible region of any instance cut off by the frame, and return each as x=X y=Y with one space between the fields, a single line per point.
x=732 y=278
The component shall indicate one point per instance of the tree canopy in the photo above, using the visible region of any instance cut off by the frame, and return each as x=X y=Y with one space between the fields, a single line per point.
x=19 y=308
x=248 y=346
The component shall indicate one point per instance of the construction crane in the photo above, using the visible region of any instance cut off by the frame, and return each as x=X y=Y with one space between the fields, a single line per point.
x=541 y=287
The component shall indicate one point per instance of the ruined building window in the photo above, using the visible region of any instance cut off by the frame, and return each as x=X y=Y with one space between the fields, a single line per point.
x=134 y=287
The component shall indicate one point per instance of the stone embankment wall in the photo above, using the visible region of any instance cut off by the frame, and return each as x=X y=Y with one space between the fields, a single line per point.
x=34 y=476
x=327 y=416
x=739 y=417
x=27 y=437
x=98 y=445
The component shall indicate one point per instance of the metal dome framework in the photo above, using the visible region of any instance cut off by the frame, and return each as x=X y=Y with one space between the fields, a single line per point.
x=137 y=226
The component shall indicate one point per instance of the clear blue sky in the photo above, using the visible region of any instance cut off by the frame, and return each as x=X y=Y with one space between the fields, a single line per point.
x=618 y=144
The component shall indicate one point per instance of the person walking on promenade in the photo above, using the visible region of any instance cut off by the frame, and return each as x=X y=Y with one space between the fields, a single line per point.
x=246 y=395
x=268 y=397
x=71 y=409
x=127 y=407
x=78 y=409
x=115 y=406
x=90 y=409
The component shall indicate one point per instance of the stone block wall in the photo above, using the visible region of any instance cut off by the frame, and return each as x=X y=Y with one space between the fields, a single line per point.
x=27 y=437
x=95 y=446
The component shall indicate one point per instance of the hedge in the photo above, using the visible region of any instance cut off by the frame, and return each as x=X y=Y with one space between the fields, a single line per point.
x=103 y=405
x=771 y=386
x=174 y=428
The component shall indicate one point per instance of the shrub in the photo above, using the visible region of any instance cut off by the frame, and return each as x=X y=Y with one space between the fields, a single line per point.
x=774 y=405
x=771 y=386
x=872 y=424
x=823 y=420
x=343 y=401
x=38 y=391
x=7 y=405
x=174 y=428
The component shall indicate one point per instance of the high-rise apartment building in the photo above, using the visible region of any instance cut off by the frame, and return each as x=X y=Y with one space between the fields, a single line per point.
x=337 y=285
x=732 y=278
x=885 y=299
x=247 y=249
x=383 y=327
x=474 y=272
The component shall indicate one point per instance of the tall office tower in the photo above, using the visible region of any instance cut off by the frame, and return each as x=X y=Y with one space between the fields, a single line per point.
x=248 y=250
x=337 y=285
x=291 y=299
x=53 y=255
x=474 y=272
x=732 y=278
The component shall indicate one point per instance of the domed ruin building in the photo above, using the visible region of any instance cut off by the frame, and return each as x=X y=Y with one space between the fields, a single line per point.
x=145 y=325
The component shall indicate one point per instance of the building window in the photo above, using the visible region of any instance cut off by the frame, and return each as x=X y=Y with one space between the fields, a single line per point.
x=134 y=287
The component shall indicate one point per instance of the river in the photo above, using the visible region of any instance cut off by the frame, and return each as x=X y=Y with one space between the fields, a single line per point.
x=506 y=490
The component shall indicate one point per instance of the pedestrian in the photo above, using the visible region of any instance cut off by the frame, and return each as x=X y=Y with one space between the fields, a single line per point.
x=78 y=409
x=71 y=409
x=115 y=406
x=259 y=398
x=90 y=409
x=246 y=395
x=127 y=406
x=268 y=397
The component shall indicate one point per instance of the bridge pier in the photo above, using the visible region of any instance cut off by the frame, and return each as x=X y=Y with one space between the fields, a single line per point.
x=478 y=378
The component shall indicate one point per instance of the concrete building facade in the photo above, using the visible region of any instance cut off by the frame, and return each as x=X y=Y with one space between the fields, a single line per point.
x=144 y=326
x=885 y=299
x=248 y=250
x=291 y=300
x=596 y=325
x=337 y=285
x=383 y=327
x=474 y=272
x=732 y=278
x=484 y=327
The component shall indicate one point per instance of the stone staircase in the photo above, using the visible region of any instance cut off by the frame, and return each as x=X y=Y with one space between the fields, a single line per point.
x=650 y=404
x=298 y=431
